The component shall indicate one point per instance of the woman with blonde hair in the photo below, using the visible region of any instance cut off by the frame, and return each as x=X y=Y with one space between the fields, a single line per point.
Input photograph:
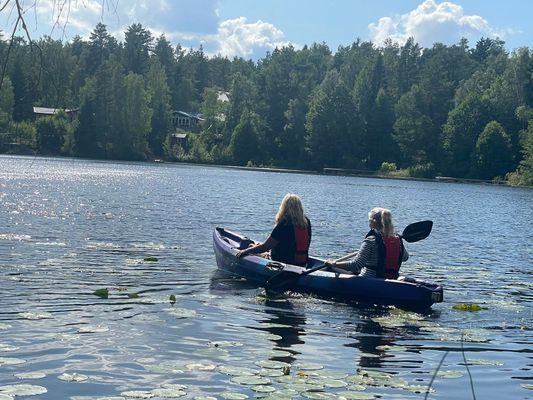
x=381 y=253
x=290 y=239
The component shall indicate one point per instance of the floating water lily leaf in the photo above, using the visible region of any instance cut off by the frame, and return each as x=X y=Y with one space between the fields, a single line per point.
x=6 y=397
x=271 y=364
x=74 y=377
x=304 y=387
x=250 y=380
x=308 y=366
x=171 y=367
x=271 y=373
x=269 y=336
x=348 y=395
x=235 y=371
x=213 y=353
x=172 y=299
x=102 y=293
x=133 y=295
x=174 y=386
x=527 y=386
x=204 y=398
x=225 y=343
x=168 y=393
x=11 y=361
x=93 y=329
x=333 y=375
x=319 y=395
x=31 y=375
x=200 y=367
x=23 y=390
x=483 y=362
x=182 y=312
x=35 y=315
x=329 y=383
x=4 y=327
x=138 y=394
x=467 y=307
x=263 y=389
x=450 y=374
x=233 y=396
x=151 y=259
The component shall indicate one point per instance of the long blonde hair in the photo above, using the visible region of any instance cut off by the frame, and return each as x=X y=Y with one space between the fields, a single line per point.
x=291 y=206
x=382 y=217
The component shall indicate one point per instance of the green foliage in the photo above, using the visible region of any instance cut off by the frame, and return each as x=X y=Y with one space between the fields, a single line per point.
x=524 y=174
x=387 y=167
x=244 y=143
x=426 y=170
x=492 y=156
x=423 y=109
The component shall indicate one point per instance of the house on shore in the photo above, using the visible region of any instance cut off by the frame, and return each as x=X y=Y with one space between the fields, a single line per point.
x=40 y=112
x=183 y=121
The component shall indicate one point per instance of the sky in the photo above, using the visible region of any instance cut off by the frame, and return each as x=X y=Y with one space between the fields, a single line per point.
x=251 y=28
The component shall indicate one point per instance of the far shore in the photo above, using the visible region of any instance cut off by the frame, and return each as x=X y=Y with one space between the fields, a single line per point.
x=325 y=171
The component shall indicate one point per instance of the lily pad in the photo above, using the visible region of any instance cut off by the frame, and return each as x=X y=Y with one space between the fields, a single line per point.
x=225 y=343
x=93 y=329
x=320 y=395
x=6 y=397
x=200 y=367
x=31 y=375
x=308 y=366
x=168 y=393
x=35 y=315
x=271 y=364
x=4 y=327
x=235 y=371
x=138 y=394
x=348 y=395
x=102 y=293
x=450 y=374
x=263 y=389
x=233 y=396
x=74 y=377
x=182 y=313
x=23 y=390
x=483 y=362
x=467 y=307
x=250 y=380
x=151 y=259
x=527 y=386
x=11 y=361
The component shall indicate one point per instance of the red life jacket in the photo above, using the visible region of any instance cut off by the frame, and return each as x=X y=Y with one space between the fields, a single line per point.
x=393 y=256
x=390 y=255
x=301 y=236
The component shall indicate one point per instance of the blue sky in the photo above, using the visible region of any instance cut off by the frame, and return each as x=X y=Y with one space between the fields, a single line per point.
x=250 y=28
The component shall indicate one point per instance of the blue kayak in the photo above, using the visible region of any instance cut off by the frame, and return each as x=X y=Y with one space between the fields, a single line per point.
x=402 y=292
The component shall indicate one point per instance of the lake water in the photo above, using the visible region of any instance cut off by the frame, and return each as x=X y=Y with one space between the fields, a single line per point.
x=71 y=227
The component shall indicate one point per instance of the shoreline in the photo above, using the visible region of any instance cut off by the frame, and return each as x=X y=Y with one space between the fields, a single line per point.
x=325 y=171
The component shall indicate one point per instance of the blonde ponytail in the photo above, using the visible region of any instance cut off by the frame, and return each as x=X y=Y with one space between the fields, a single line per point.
x=382 y=217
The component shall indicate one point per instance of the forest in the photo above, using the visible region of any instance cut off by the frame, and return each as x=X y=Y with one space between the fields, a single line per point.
x=462 y=110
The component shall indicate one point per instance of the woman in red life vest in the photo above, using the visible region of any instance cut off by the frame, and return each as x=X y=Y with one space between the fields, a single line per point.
x=290 y=239
x=381 y=253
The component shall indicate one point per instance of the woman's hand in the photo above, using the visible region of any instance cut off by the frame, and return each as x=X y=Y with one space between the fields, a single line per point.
x=331 y=263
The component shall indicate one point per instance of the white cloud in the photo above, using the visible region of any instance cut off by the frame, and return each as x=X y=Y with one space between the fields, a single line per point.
x=236 y=37
x=190 y=23
x=431 y=22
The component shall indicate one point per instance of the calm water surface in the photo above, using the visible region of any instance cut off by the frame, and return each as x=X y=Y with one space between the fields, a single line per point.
x=71 y=227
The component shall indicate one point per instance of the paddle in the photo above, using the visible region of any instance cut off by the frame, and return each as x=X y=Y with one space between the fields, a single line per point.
x=284 y=279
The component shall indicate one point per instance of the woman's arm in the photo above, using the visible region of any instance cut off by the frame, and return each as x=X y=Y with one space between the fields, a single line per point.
x=267 y=245
x=361 y=258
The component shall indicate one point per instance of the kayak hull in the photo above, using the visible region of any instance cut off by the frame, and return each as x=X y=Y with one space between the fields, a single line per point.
x=404 y=292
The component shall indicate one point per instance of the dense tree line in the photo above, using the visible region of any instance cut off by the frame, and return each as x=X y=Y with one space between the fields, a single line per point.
x=446 y=110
